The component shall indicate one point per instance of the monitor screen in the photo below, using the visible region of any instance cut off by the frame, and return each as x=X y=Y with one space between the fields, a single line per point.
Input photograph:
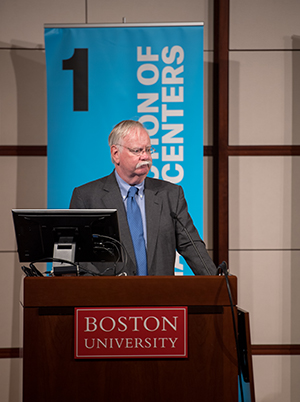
x=76 y=235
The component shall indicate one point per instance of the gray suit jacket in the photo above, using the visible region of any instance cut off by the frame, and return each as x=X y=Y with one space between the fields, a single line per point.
x=164 y=233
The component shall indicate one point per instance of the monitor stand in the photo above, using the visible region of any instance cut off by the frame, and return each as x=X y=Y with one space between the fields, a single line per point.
x=63 y=257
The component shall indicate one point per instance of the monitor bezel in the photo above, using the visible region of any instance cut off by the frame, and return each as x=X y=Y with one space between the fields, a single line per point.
x=37 y=231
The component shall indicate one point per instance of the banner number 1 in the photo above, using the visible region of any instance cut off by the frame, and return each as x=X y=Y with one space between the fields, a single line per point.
x=79 y=64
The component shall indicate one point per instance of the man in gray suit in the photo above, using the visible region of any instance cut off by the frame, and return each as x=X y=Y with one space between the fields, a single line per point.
x=167 y=225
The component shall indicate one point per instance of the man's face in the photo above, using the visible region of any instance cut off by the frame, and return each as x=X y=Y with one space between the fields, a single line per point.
x=133 y=168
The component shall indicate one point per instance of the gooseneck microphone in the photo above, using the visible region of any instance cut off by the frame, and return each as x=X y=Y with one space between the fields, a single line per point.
x=222 y=269
x=174 y=216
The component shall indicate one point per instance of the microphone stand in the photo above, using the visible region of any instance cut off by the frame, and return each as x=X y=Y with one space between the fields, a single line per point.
x=223 y=270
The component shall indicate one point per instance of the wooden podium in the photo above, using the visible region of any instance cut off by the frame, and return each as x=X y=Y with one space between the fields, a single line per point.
x=51 y=373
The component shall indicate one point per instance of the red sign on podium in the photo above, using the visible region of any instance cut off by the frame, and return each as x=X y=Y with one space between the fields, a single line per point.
x=141 y=332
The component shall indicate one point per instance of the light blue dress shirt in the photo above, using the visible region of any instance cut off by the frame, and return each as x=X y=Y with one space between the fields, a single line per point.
x=140 y=199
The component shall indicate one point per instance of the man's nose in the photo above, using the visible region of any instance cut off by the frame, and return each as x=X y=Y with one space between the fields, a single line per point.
x=145 y=155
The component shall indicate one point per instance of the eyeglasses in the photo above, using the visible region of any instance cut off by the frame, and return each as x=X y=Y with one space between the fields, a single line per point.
x=139 y=151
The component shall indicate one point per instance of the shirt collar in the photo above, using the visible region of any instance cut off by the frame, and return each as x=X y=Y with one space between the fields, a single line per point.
x=124 y=187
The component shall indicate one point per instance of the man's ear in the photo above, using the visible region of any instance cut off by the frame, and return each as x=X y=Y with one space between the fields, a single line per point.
x=115 y=154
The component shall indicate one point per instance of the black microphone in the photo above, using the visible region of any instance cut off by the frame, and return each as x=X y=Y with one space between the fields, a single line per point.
x=222 y=269
x=174 y=216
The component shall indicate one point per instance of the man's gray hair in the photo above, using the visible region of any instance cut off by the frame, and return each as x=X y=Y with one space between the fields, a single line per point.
x=120 y=131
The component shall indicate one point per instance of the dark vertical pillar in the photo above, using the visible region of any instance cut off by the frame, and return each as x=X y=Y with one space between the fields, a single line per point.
x=220 y=112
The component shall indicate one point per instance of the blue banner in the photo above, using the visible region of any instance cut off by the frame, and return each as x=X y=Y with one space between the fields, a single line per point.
x=100 y=75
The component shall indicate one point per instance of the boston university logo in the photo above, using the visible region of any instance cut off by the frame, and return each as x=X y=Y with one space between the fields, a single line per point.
x=141 y=332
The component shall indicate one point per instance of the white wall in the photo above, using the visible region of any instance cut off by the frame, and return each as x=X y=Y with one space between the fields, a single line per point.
x=264 y=195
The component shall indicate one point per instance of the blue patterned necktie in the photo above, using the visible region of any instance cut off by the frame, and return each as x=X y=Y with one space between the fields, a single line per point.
x=135 y=223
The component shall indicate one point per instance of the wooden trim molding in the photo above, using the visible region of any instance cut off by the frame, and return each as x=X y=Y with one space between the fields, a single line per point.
x=11 y=353
x=258 y=350
x=23 y=150
x=209 y=150
x=263 y=150
x=256 y=150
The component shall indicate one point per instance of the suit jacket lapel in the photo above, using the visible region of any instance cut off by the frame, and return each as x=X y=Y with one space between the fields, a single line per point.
x=113 y=197
x=153 y=211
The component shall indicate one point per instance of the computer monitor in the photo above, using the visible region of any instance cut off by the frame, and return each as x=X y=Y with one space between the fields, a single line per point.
x=66 y=236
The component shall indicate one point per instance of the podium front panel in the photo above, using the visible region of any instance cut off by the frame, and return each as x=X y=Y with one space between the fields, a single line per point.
x=209 y=373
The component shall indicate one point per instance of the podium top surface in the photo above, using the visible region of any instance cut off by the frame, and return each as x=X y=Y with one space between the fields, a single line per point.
x=129 y=291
